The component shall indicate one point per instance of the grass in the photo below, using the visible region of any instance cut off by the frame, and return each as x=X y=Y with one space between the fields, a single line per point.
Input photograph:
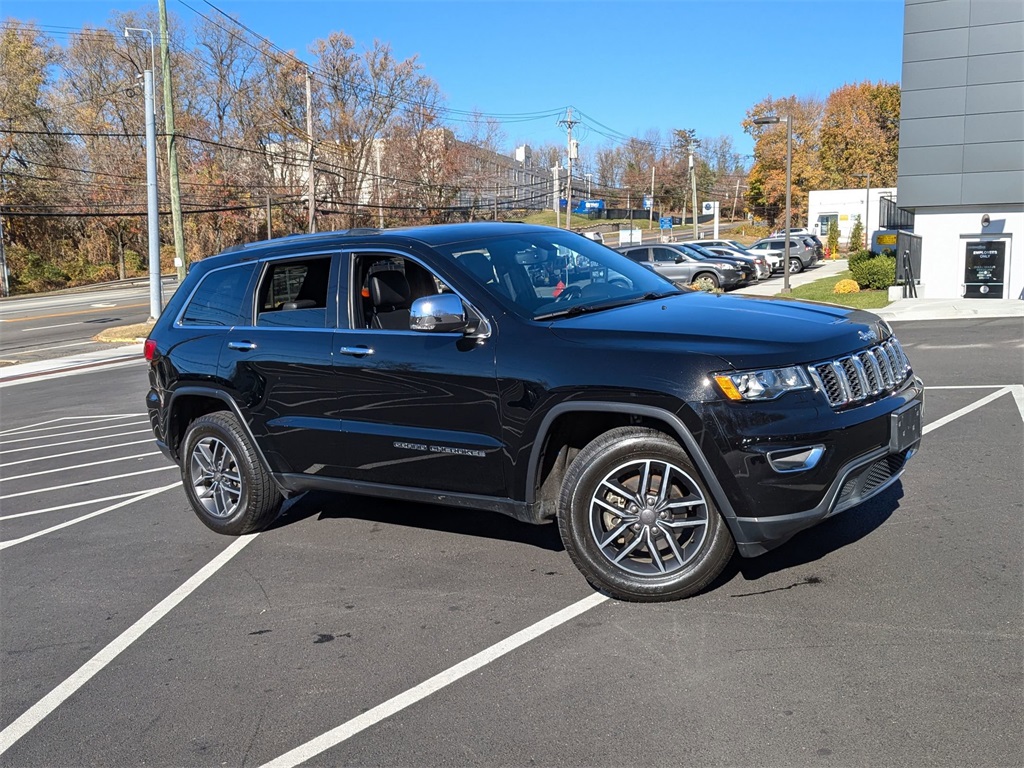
x=821 y=290
x=125 y=334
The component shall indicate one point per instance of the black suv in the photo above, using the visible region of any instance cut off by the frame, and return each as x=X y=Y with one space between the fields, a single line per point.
x=661 y=427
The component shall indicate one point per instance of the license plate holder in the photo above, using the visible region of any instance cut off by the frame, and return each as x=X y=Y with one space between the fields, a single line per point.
x=905 y=427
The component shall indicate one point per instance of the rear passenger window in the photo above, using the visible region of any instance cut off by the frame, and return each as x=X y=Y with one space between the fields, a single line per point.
x=220 y=298
x=294 y=293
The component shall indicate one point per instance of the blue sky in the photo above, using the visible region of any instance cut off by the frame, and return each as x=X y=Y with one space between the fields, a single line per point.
x=631 y=65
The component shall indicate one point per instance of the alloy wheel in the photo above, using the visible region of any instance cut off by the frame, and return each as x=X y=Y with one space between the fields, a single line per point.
x=648 y=517
x=215 y=477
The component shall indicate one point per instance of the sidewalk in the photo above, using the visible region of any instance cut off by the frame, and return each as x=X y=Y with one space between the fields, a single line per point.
x=903 y=309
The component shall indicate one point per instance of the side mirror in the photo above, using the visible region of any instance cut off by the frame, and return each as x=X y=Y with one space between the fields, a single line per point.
x=438 y=314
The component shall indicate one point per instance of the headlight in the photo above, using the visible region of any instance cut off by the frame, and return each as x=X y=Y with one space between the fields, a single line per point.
x=762 y=385
x=724 y=266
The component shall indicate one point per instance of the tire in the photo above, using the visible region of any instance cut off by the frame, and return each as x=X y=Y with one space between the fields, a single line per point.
x=226 y=484
x=795 y=265
x=602 y=519
x=706 y=278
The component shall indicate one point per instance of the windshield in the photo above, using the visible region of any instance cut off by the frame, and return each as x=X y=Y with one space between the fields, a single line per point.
x=547 y=273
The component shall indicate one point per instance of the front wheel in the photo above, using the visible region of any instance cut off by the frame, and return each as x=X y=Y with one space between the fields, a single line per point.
x=638 y=521
x=706 y=281
x=226 y=484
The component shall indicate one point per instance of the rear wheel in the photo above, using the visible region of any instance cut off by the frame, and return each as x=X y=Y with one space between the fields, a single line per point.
x=795 y=265
x=226 y=484
x=638 y=521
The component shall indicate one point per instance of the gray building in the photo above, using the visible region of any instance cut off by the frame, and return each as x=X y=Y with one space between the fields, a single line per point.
x=961 y=157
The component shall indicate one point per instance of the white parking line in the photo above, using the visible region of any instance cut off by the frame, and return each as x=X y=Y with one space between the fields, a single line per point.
x=441 y=680
x=43 y=426
x=83 y=440
x=35 y=714
x=966 y=409
x=70 y=453
x=138 y=457
x=69 y=506
x=75 y=432
x=87 y=482
x=83 y=518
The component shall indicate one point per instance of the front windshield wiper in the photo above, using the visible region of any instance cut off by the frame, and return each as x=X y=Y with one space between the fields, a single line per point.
x=579 y=309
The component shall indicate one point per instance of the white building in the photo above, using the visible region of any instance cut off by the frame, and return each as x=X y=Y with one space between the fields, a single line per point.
x=961 y=161
x=846 y=207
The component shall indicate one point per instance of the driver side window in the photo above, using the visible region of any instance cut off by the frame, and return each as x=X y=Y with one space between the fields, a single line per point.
x=384 y=288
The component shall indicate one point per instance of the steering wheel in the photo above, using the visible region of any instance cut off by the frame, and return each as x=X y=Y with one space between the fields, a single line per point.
x=569 y=292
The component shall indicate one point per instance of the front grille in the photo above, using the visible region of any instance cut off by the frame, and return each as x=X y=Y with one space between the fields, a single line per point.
x=867 y=374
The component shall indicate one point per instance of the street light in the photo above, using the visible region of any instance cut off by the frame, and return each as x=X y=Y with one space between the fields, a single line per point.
x=867 y=205
x=772 y=120
x=152 y=209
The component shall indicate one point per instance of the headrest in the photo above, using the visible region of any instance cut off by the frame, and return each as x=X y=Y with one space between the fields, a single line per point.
x=389 y=288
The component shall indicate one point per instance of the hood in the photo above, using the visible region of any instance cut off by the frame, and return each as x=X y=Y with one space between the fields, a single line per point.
x=744 y=331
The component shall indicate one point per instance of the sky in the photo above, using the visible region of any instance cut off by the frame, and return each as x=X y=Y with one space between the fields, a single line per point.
x=629 y=66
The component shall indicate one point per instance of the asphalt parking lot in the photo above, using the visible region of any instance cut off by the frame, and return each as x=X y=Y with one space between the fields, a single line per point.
x=366 y=632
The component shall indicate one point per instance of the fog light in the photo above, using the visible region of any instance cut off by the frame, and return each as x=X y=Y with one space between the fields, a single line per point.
x=796 y=459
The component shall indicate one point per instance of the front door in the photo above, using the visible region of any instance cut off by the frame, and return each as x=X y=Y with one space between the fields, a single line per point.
x=417 y=409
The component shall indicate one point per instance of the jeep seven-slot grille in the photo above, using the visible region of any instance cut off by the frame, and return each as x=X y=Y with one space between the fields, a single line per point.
x=868 y=373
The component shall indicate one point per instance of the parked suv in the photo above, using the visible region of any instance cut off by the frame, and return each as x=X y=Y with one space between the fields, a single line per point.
x=801 y=255
x=662 y=428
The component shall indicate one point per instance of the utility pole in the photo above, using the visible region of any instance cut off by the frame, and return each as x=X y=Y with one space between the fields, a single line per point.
x=693 y=188
x=556 y=179
x=735 y=197
x=155 y=298
x=269 y=230
x=172 y=150
x=5 y=285
x=651 y=218
x=309 y=132
x=380 y=186
x=573 y=149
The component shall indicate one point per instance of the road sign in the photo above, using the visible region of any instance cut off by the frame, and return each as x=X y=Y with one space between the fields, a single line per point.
x=665 y=222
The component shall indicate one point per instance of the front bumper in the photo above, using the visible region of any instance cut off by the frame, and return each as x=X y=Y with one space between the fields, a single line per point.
x=866 y=449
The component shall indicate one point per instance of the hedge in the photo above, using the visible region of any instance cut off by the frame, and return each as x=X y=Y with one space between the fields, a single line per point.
x=878 y=272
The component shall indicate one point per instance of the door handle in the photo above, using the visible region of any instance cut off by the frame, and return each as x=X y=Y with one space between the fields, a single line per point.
x=242 y=346
x=356 y=351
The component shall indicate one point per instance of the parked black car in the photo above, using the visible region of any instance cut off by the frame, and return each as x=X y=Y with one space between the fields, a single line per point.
x=662 y=428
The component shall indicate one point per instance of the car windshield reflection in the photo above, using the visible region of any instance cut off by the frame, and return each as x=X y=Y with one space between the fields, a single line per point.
x=544 y=275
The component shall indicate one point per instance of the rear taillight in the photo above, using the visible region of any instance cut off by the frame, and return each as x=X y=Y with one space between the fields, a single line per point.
x=149 y=349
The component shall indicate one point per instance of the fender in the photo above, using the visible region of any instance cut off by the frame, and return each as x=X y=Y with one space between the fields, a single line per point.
x=224 y=397
x=683 y=434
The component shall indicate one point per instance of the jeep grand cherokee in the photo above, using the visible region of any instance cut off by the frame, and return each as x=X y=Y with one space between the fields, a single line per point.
x=662 y=428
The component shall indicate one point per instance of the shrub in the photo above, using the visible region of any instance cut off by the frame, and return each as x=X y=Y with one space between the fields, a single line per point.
x=856 y=234
x=877 y=273
x=862 y=254
x=833 y=239
x=846 y=286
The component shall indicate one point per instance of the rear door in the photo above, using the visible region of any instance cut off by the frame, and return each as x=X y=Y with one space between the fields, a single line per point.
x=279 y=367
